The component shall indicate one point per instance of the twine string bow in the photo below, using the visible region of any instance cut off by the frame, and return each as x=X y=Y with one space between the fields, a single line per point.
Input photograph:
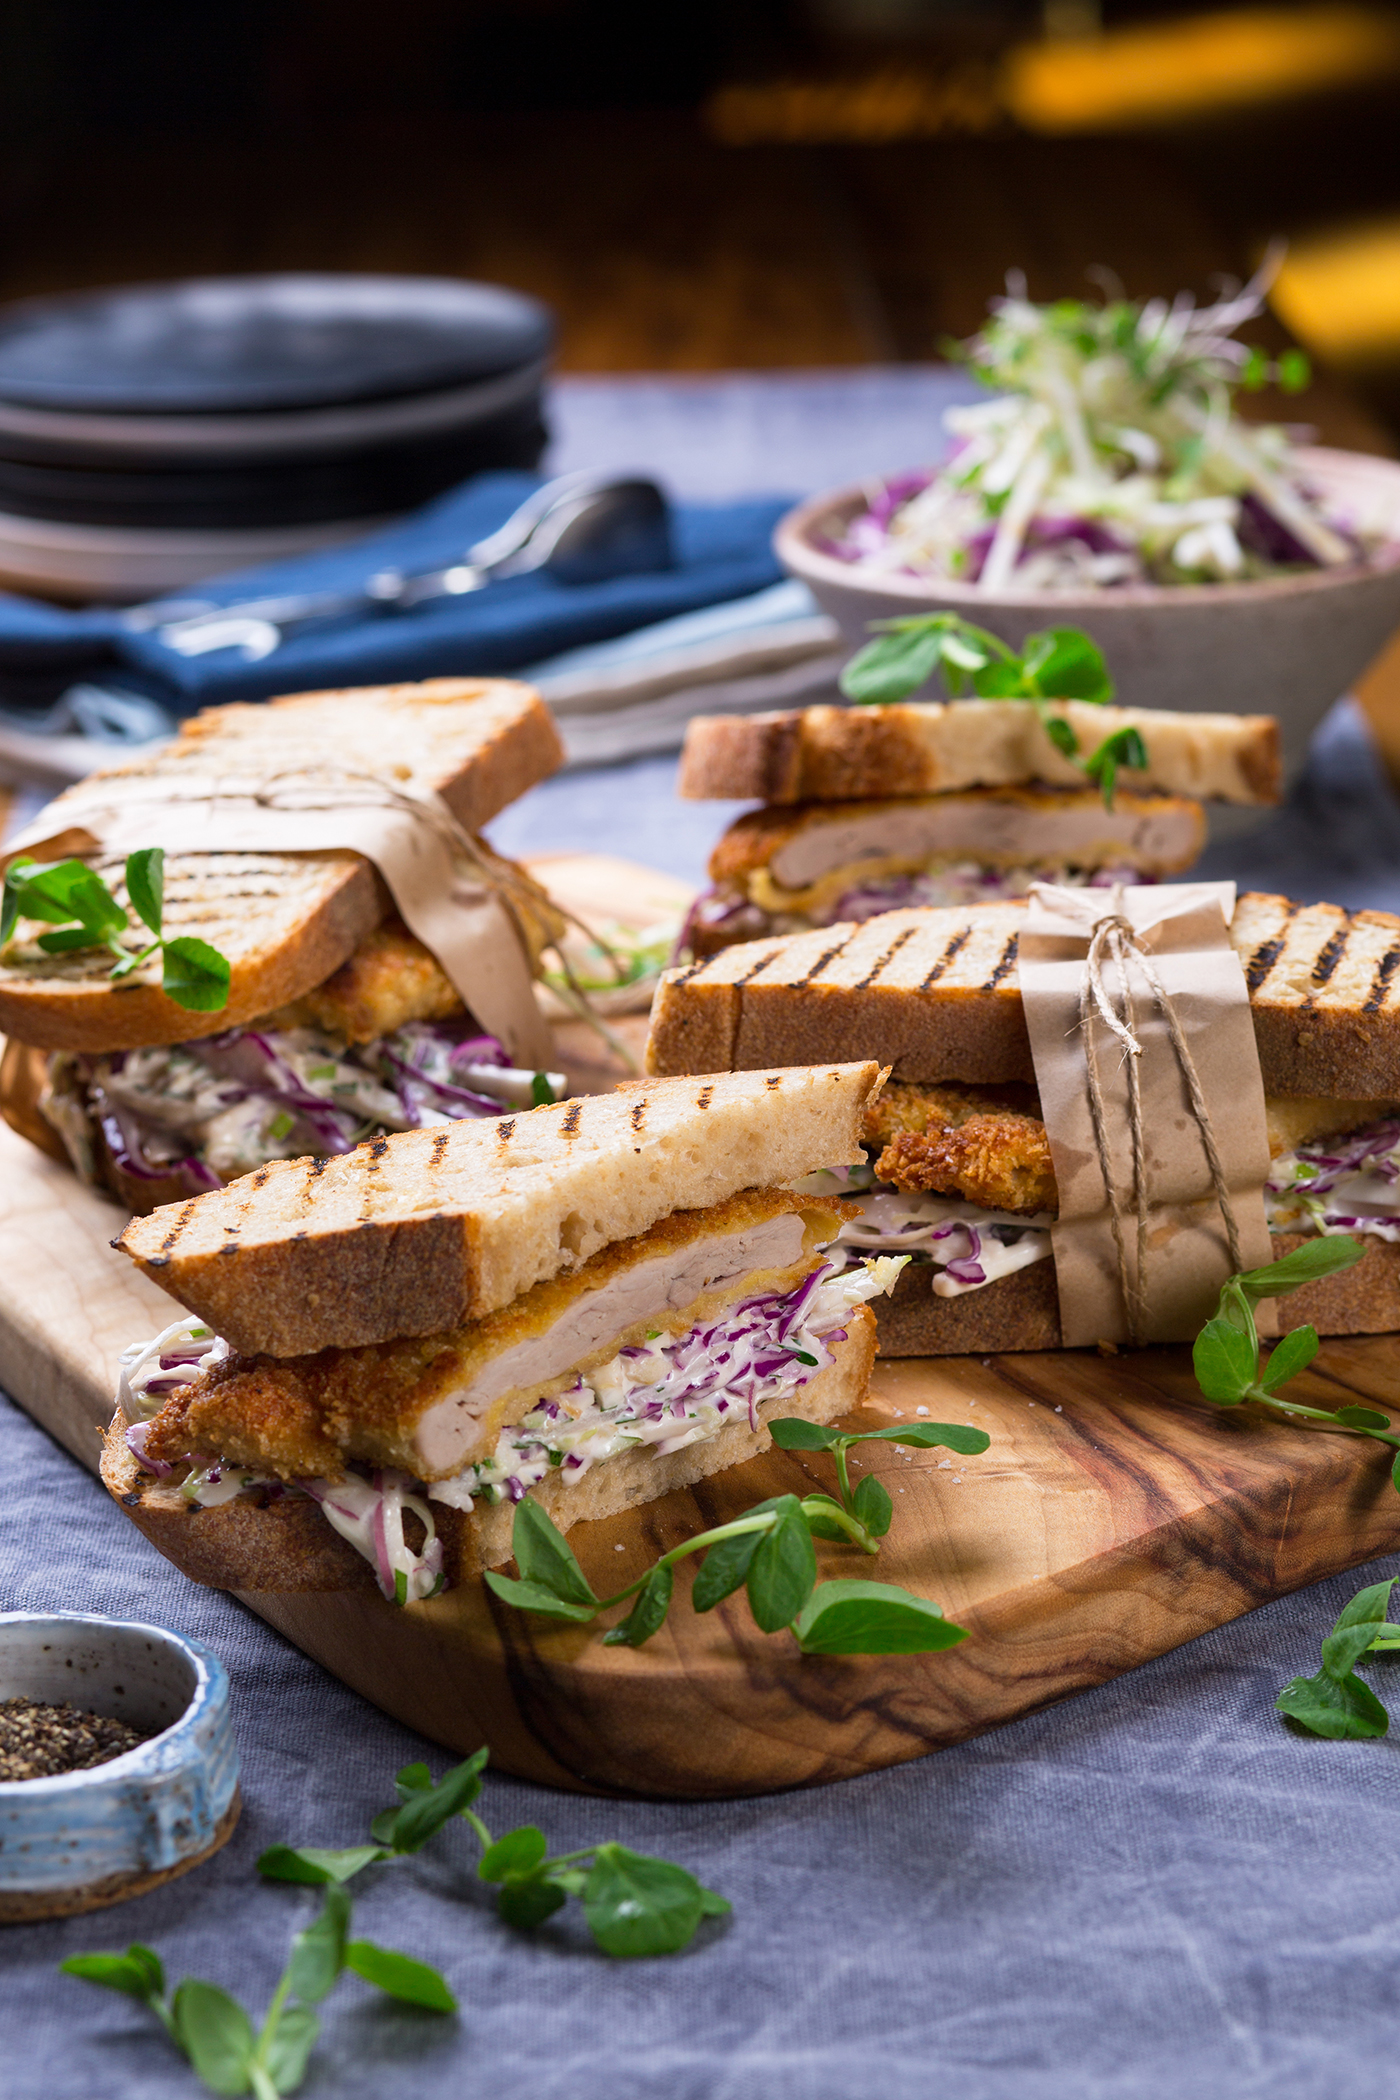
x=1115 y=936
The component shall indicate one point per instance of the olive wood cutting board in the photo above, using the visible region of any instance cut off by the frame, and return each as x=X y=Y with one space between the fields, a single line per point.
x=1114 y=1516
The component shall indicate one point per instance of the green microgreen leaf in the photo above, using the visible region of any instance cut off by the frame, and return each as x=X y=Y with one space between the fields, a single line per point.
x=1294 y=371
x=726 y=1569
x=428 y=1808
x=1345 y=1711
x=290 y=2043
x=794 y=1433
x=526 y=1904
x=44 y=890
x=318 y=1952
x=1356 y=1628
x=872 y=1618
x=1357 y=1417
x=894 y=665
x=518 y=1852
x=1064 y=664
x=638 y=1906
x=648 y=1614
x=1061 y=735
x=215 y=2034
x=310 y=1864
x=533 y=1596
x=69 y=940
x=145 y=885
x=1125 y=749
x=195 y=975
x=928 y=1436
x=541 y=1092
x=1225 y=1361
x=1336 y=1703
x=412 y=1779
x=824 y=1526
x=10 y=895
x=544 y=1557
x=1315 y=1258
x=400 y=1976
x=1290 y=1356
x=874 y=1505
x=1001 y=681
x=783 y=1568
x=137 y=1973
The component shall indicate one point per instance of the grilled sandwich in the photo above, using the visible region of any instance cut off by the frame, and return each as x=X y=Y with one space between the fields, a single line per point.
x=958 y=1170
x=590 y=1303
x=867 y=810
x=339 y=1023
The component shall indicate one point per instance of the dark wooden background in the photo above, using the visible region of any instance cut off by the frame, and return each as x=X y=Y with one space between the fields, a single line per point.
x=571 y=147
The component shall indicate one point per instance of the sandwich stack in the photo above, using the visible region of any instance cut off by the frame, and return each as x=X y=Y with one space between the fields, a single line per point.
x=591 y=1304
x=339 y=1022
x=870 y=809
x=958 y=1169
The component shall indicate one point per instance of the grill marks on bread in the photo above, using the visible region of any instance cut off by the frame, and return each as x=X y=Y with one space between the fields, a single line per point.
x=305 y=1417
x=934 y=993
x=285 y=921
x=440 y=1226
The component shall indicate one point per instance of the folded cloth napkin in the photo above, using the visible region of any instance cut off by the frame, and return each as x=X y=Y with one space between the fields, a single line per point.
x=723 y=551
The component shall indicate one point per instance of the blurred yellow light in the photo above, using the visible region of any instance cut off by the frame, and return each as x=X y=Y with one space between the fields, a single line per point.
x=1192 y=68
x=1340 y=292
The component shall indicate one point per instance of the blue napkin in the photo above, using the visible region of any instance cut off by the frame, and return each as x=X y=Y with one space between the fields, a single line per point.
x=723 y=551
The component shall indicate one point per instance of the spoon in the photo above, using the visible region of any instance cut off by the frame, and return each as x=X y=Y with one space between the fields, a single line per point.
x=579 y=528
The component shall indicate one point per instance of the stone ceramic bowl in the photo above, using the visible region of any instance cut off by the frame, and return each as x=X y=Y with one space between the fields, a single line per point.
x=1289 y=646
x=86 y=1839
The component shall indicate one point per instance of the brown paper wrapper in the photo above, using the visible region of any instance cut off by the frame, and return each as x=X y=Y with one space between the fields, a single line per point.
x=1185 y=929
x=447 y=904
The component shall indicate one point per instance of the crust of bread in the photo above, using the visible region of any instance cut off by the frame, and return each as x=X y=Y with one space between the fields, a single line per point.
x=841 y=754
x=934 y=994
x=1021 y=1311
x=284 y=1543
x=285 y=921
x=22 y=1075
x=420 y=1232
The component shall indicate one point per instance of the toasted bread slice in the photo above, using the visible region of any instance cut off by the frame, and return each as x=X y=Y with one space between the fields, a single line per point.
x=416 y=1233
x=928 y=747
x=434 y=1406
x=934 y=994
x=282 y=1542
x=284 y=921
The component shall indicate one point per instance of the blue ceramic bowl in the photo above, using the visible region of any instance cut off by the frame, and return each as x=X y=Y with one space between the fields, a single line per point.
x=85 y=1839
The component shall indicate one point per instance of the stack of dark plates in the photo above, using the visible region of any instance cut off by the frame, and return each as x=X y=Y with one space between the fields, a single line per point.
x=156 y=434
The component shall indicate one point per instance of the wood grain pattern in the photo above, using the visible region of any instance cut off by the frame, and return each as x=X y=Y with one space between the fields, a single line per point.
x=1112 y=1519
x=1114 y=1516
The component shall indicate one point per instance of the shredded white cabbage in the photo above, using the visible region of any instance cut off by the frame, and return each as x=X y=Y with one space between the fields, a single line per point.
x=1111 y=455
x=669 y=1392
x=1339 y=1184
x=970 y=1247
x=672 y=1391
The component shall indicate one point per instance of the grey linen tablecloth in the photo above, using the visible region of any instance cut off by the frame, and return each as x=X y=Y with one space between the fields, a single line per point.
x=1151 y=1891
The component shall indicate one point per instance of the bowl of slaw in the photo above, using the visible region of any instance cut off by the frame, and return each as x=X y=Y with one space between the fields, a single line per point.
x=1285 y=645
x=1108 y=484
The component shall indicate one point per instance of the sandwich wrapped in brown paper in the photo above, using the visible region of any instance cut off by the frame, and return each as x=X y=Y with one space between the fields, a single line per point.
x=412 y=838
x=1087 y=960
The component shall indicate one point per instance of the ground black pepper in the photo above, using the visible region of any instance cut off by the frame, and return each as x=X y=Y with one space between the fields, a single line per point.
x=38 y=1741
